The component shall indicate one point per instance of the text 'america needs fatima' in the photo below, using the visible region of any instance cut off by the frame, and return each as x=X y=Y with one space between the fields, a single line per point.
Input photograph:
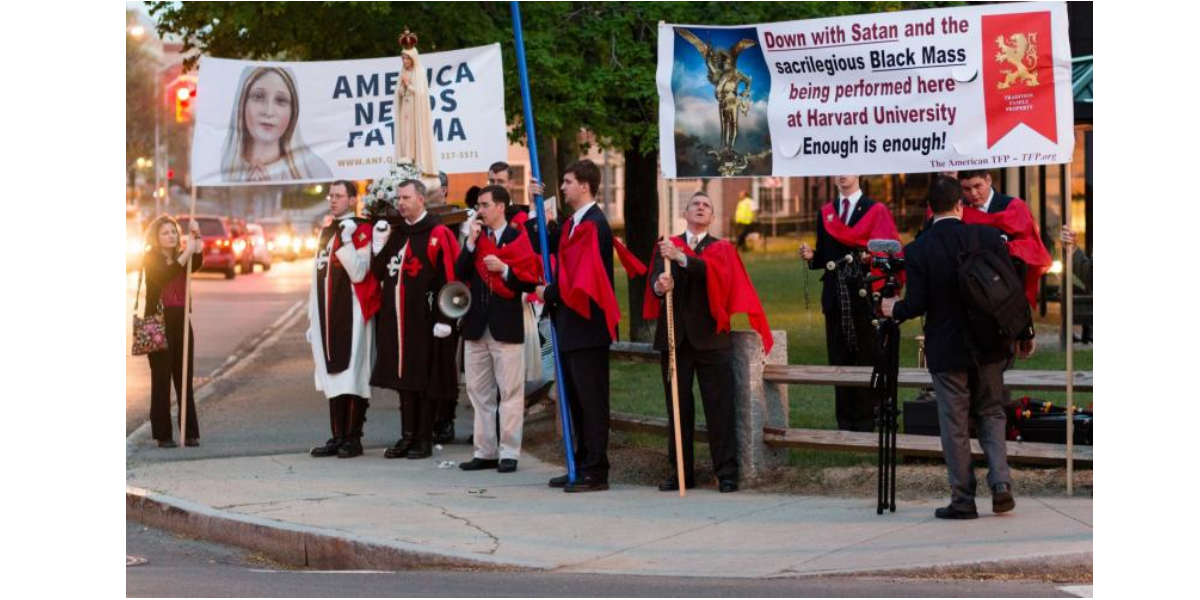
x=378 y=113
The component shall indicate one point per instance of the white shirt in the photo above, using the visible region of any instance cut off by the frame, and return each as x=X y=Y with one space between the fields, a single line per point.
x=991 y=194
x=418 y=220
x=495 y=234
x=853 y=198
x=578 y=216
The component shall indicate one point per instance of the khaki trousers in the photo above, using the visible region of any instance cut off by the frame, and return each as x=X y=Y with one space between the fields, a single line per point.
x=492 y=365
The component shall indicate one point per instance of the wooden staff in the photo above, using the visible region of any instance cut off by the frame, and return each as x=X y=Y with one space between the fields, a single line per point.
x=1069 y=288
x=187 y=322
x=674 y=380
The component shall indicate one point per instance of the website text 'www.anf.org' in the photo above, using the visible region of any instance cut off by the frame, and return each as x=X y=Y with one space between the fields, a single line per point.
x=364 y=162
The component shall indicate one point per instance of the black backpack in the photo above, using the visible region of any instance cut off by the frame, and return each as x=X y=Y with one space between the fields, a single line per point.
x=993 y=297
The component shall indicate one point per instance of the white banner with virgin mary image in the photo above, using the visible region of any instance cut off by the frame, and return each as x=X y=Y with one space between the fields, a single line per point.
x=263 y=123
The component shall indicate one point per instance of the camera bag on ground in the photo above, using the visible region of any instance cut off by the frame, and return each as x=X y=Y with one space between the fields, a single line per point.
x=993 y=296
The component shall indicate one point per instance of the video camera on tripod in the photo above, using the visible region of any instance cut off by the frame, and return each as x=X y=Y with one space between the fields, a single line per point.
x=886 y=259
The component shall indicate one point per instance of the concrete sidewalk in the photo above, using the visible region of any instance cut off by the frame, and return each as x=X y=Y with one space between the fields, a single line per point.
x=252 y=484
x=448 y=517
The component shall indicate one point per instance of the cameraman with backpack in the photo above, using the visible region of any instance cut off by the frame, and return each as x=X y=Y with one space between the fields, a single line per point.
x=961 y=279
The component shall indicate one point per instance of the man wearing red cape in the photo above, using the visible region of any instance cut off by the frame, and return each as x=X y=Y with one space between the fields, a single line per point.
x=983 y=206
x=708 y=284
x=585 y=313
x=415 y=258
x=844 y=228
x=499 y=266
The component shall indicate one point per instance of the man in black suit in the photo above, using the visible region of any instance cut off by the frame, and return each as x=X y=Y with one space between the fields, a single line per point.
x=583 y=341
x=494 y=332
x=849 y=336
x=700 y=350
x=965 y=386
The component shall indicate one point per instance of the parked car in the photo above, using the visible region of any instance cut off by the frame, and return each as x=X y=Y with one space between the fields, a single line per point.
x=261 y=248
x=282 y=241
x=243 y=244
x=224 y=246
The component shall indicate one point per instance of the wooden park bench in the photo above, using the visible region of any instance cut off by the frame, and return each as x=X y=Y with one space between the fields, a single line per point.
x=781 y=375
x=916 y=445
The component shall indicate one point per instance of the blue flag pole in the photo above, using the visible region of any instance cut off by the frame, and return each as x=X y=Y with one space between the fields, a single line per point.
x=531 y=141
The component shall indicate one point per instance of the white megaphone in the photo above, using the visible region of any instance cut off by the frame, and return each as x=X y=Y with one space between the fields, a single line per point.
x=454 y=299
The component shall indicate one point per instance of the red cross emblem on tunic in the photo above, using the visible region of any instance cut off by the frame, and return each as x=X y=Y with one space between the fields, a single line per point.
x=412 y=266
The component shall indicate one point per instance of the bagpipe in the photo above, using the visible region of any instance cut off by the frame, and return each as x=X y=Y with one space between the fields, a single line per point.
x=1033 y=420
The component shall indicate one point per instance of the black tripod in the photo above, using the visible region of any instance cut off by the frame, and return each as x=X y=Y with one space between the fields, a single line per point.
x=887 y=369
x=883 y=384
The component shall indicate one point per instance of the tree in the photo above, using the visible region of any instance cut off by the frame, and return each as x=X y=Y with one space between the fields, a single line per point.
x=592 y=65
x=140 y=107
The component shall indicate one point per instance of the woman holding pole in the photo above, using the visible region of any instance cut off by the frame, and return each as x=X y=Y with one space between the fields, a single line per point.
x=166 y=265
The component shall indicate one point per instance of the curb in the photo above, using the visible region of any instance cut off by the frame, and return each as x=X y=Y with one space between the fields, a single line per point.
x=300 y=545
x=1050 y=565
x=242 y=355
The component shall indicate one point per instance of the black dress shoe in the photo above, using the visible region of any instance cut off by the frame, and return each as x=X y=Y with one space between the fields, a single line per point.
x=191 y=442
x=507 y=465
x=950 y=512
x=1002 y=498
x=167 y=444
x=559 y=482
x=420 y=450
x=727 y=485
x=479 y=464
x=672 y=485
x=444 y=433
x=330 y=448
x=400 y=450
x=350 y=449
x=586 y=484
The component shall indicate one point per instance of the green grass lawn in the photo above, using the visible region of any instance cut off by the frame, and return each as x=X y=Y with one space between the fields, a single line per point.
x=780 y=280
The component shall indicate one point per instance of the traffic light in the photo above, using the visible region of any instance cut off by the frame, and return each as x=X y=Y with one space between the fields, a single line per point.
x=185 y=98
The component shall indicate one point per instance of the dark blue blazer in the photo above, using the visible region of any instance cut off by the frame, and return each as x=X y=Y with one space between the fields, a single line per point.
x=489 y=311
x=932 y=262
x=574 y=331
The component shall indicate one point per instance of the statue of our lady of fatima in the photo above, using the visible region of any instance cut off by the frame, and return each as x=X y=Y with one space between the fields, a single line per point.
x=414 y=118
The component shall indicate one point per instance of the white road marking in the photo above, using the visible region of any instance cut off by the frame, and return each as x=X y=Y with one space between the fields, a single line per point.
x=1079 y=591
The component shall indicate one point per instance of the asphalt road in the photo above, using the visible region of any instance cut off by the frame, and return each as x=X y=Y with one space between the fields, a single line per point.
x=226 y=314
x=186 y=568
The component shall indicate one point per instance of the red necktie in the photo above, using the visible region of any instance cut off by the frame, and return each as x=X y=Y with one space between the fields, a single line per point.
x=846 y=211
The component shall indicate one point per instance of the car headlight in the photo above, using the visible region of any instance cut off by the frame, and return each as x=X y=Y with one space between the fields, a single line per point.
x=135 y=247
x=297 y=244
x=284 y=240
x=238 y=246
x=311 y=244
